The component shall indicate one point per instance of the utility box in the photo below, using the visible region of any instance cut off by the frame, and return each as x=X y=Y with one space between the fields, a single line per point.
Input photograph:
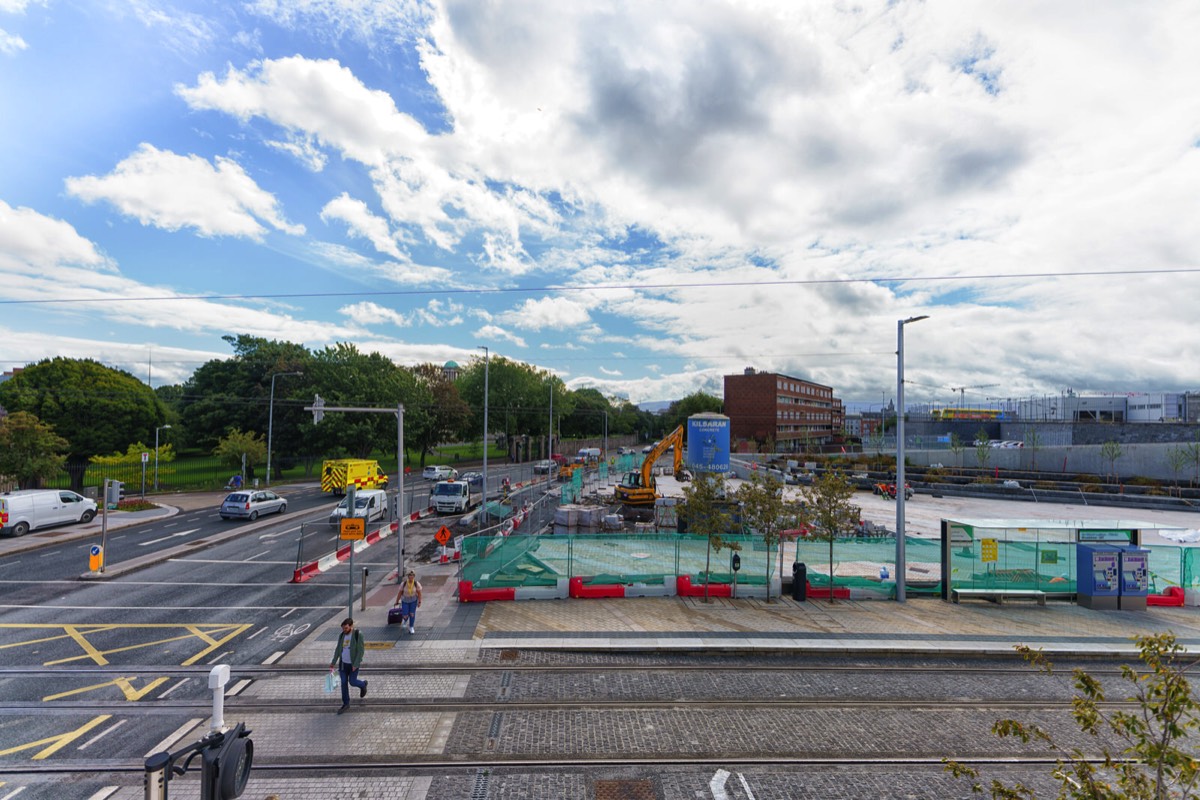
x=1135 y=578
x=1097 y=570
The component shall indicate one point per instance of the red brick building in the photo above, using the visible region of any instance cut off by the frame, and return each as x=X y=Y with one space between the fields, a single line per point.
x=791 y=412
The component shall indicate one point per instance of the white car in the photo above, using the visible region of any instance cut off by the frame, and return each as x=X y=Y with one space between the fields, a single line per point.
x=439 y=473
x=544 y=467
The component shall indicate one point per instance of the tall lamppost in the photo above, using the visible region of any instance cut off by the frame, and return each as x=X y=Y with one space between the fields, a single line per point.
x=901 y=567
x=271 y=420
x=156 y=430
x=487 y=357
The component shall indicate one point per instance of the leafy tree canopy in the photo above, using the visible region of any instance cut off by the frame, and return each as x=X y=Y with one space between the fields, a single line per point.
x=30 y=450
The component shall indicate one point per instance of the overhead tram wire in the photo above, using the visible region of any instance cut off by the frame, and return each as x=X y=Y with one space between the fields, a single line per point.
x=610 y=287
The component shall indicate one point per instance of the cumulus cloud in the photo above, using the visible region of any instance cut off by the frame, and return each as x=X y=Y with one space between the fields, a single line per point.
x=171 y=191
x=495 y=332
x=361 y=222
x=11 y=44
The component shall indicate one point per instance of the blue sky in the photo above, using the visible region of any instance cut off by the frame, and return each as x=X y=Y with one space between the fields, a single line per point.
x=640 y=197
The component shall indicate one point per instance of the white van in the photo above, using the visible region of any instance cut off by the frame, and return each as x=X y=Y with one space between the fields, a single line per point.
x=370 y=504
x=589 y=455
x=28 y=510
x=454 y=497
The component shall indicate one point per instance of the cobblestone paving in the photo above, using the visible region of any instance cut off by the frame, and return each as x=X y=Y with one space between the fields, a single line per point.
x=634 y=685
x=265 y=787
x=380 y=686
x=836 y=732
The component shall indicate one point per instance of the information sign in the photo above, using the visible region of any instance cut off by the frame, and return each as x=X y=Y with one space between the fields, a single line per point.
x=988 y=550
x=353 y=528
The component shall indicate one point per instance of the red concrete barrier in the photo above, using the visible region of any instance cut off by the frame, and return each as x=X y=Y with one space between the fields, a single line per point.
x=467 y=593
x=684 y=588
x=1173 y=596
x=577 y=589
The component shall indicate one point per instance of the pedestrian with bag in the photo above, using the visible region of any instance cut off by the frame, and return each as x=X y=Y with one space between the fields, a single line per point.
x=409 y=600
x=347 y=658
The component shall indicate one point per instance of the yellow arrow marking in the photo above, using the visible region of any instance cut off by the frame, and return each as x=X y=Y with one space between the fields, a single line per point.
x=56 y=742
x=131 y=694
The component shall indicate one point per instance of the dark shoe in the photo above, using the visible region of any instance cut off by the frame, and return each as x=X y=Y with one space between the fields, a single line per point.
x=342 y=710
x=363 y=691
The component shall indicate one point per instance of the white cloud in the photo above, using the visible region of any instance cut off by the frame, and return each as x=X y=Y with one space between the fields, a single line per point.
x=556 y=313
x=35 y=244
x=171 y=191
x=495 y=332
x=11 y=44
x=362 y=222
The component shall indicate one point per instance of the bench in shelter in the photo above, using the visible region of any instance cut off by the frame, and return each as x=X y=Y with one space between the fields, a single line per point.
x=998 y=596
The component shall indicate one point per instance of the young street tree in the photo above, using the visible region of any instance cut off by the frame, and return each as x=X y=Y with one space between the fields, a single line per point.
x=236 y=444
x=983 y=448
x=1153 y=763
x=30 y=450
x=706 y=511
x=829 y=510
x=1110 y=451
x=765 y=512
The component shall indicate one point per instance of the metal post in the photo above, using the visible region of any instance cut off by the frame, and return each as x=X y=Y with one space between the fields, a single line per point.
x=550 y=434
x=901 y=567
x=362 y=594
x=487 y=357
x=271 y=419
x=156 y=430
x=401 y=516
x=104 y=526
x=351 y=508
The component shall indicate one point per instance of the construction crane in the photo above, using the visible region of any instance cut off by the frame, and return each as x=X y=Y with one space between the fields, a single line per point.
x=962 y=391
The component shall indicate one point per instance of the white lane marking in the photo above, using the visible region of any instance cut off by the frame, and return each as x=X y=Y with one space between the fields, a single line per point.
x=717 y=784
x=105 y=793
x=165 y=538
x=221 y=561
x=256 y=633
x=256 y=555
x=13 y=793
x=746 y=787
x=102 y=733
x=242 y=684
x=290 y=611
x=271 y=659
x=51 y=553
x=173 y=688
x=166 y=743
x=279 y=533
x=173 y=608
x=10 y=563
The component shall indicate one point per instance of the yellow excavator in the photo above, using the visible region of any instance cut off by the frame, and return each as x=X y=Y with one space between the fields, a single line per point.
x=638 y=488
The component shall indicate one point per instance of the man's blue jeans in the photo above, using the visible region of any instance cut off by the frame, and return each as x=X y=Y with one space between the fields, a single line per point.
x=349 y=678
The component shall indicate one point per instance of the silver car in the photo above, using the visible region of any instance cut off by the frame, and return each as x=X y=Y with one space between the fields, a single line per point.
x=251 y=503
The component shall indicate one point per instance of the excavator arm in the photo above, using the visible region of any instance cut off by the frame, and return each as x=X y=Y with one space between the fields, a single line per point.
x=637 y=488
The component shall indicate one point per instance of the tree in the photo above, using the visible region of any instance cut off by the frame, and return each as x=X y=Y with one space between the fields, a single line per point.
x=828 y=507
x=1193 y=453
x=706 y=511
x=518 y=396
x=957 y=446
x=97 y=409
x=30 y=450
x=438 y=414
x=1177 y=459
x=1151 y=764
x=983 y=448
x=1110 y=451
x=1033 y=439
x=695 y=403
x=764 y=511
x=236 y=444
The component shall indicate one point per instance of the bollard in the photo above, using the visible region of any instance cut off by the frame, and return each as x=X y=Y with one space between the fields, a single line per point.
x=155 y=779
x=362 y=604
x=799 y=582
x=217 y=678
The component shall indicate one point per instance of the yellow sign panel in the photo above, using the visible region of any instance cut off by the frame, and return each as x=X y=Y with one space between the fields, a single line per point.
x=988 y=550
x=353 y=528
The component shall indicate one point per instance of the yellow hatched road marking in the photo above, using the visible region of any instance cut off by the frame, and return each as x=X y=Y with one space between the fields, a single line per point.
x=124 y=684
x=56 y=742
x=214 y=636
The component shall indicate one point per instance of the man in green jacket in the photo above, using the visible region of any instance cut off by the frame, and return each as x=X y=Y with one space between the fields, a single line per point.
x=347 y=657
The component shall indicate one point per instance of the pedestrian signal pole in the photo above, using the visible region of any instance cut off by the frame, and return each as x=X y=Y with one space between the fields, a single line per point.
x=318 y=409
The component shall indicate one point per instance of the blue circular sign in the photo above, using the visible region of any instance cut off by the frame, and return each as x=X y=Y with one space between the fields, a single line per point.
x=95 y=549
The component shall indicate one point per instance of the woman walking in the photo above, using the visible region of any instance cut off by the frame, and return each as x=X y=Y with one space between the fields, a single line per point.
x=409 y=600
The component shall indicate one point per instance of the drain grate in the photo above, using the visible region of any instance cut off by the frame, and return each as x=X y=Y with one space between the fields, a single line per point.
x=626 y=790
x=494 y=729
x=480 y=790
x=505 y=685
x=509 y=655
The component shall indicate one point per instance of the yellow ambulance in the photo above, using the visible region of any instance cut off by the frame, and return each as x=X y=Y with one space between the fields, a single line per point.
x=361 y=473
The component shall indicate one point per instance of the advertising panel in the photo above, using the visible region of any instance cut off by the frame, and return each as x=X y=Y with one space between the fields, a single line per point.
x=708 y=443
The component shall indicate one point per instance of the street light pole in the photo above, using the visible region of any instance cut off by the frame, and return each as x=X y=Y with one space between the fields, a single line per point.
x=271 y=419
x=487 y=357
x=156 y=430
x=901 y=567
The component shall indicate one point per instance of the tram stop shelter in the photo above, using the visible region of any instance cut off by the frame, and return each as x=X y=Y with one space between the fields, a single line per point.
x=1039 y=559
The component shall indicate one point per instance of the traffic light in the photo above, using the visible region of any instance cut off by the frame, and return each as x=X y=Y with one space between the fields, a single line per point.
x=225 y=764
x=116 y=493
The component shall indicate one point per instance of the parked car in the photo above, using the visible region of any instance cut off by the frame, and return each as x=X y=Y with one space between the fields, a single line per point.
x=544 y=467
x=475 y=479
x=24 y=511
x=439 y=473
x=251 y=504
